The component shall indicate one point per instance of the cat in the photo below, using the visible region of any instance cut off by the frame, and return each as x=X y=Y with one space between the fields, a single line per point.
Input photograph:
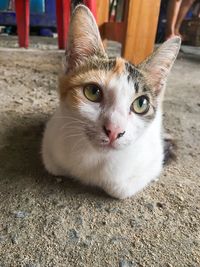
x=107 y=130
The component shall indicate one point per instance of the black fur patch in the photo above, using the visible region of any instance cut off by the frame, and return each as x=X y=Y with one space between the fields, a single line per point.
x=133 y=73
x=112 y=63
x=170 y=148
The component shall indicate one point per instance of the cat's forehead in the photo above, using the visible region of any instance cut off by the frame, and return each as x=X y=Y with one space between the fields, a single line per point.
x=119 y=71
x=117 y=65
x=112 y=74
x=113 y=67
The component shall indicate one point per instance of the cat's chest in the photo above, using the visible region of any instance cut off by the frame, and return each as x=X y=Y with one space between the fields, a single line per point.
x=80 y=159
x=93 y=165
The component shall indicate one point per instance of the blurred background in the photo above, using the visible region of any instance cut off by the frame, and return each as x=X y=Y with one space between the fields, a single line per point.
x=135 y=25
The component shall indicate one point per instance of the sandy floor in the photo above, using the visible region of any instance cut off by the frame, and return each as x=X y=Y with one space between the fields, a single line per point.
x=53 y=222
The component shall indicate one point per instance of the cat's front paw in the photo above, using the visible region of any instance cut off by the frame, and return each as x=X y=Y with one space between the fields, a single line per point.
x=51 y=166
x=119 y=195
x=120 y=192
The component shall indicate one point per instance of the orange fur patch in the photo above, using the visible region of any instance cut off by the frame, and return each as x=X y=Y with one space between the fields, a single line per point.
x=118 y=69
x=119 y=66
x=70 y=87
x=69 y=92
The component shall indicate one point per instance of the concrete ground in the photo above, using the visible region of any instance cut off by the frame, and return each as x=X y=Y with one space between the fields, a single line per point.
x=47 y=221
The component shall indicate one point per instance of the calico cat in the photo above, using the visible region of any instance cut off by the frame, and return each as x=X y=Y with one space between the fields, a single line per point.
x=107 y=130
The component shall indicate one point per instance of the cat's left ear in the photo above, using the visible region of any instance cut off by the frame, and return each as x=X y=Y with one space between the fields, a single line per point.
x=84 y=38
x=157 y=67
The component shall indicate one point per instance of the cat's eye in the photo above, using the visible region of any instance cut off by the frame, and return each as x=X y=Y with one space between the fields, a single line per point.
x=141 y=105
x=93 y=92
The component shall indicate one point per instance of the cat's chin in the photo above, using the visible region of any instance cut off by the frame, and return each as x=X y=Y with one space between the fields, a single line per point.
x=108 y=147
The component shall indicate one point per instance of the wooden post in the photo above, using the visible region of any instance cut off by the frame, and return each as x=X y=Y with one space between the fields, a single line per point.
x=141 y=27
x=102 y=18
x=102 y=11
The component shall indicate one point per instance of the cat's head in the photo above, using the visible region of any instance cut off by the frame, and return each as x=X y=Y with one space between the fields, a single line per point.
x=110 y=102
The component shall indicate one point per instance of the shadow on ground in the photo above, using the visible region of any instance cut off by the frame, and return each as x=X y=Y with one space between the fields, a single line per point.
x=21 y=161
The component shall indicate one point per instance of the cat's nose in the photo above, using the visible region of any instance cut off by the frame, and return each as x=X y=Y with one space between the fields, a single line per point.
x=113 y=132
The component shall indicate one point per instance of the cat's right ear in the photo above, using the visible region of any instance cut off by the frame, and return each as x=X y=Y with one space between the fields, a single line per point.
x=156 y=68
x=83 y=39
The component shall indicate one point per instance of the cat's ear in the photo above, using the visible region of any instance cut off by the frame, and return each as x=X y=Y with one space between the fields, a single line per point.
x=83 y=39
x=157 y=67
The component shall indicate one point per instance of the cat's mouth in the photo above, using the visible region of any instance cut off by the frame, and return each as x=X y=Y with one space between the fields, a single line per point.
x=108 y=145
x=105 y=144
x=102 y=142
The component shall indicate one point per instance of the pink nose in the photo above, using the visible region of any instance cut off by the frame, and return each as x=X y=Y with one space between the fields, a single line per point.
x=113 y=132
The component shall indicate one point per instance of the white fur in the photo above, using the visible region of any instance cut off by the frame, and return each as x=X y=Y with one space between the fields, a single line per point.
x=74 y=142
x=120 y=172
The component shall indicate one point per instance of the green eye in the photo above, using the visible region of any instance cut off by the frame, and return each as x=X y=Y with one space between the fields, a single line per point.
x=140 y=105
x=93 y=93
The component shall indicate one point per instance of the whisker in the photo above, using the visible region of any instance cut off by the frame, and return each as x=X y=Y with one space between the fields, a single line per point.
x=68 y=117
x=78 y=143
x=75 y=122
x=75 y=127
x=71 y=135
x=72 y=125
x=71 y=131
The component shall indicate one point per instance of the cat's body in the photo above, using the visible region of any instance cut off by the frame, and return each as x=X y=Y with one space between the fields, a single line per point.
x=107 y=131
x=120 y=173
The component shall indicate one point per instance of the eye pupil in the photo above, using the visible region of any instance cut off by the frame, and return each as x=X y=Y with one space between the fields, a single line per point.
x=140 y=105
x=95 y=90
x=141 y=101
x=92 y=92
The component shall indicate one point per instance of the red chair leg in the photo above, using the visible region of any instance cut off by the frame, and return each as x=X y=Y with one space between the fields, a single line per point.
x=91 y=4
x=23 y=21
x=62 y=16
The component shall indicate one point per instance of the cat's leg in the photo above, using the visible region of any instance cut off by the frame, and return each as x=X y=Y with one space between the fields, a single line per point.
x=50 y=164
x=129 y=187
x=122 y=190
x=49 y=149
x=127 y=190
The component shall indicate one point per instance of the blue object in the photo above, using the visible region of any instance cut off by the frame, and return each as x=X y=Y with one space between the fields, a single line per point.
x=46 y=32
x=4 y=4
x=46 y=19
x=37 y=6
